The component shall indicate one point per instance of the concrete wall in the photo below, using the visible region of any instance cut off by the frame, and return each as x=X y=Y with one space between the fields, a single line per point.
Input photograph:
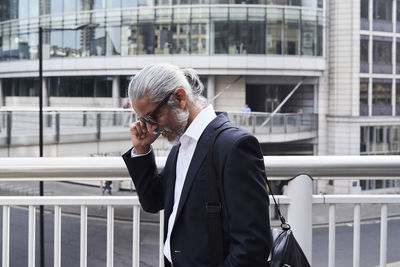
x=344 y=50
x=233 y=98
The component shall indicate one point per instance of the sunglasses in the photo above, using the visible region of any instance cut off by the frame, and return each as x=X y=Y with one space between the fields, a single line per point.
x=149 y=118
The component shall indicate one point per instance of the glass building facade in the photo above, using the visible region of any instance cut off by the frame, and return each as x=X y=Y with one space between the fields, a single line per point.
x=129 y=28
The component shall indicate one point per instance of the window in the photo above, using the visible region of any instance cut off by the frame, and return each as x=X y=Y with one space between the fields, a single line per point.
x=364 y=8
x=382 y=97
x=382 y=14
x=363 y=97
x=308 y=32
x=382 y=55
x=292 y=32
x=237 y=37
x=397 y=97
x=364 y=43
x=274 y=31
x=398 y=56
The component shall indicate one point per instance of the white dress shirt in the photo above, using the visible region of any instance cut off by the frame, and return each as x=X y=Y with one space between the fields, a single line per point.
x=188 y=145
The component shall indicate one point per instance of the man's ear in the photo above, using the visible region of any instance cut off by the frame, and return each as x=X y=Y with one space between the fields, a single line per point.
x=180 y=98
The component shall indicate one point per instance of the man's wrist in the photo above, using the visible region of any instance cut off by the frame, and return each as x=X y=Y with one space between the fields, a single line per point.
x=142 y=150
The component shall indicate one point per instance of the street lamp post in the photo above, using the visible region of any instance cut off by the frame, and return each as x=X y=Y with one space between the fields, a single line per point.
x=41 y=187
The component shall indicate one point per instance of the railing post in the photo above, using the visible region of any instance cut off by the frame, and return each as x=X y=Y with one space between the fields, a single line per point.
x=300 y=212
x=83 y=249
x=57 y=127
x=9 y=127
x=161 y=247
x=98 y=120
x=136 y=236
x=110 y=236
x=84 y=119
x=6 y=237
x=383 y=249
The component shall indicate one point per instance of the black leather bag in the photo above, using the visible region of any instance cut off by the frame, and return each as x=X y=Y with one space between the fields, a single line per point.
x=285 y=251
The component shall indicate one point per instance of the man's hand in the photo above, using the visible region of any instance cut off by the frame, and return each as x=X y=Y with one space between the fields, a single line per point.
x=142 y=136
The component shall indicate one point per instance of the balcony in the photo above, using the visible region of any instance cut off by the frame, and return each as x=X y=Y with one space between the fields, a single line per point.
x=299 y=200
x=64 y=128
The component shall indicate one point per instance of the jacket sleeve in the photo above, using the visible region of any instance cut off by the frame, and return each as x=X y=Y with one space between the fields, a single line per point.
x=246 y=200
x=148 y=183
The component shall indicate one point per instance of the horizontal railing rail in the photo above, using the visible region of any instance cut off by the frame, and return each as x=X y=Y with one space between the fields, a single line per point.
x=277 y=167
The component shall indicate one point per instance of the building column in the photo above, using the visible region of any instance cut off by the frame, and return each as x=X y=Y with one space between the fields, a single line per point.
x=45 y=94
x=2 y=102
x=116 y=101
x=210 y=88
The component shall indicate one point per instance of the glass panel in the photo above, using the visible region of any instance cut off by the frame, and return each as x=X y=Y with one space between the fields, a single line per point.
x=23 y=9
x=364 y=43
x=129 y=41
x=382 y=55
x=56 y=49
x=219 y=26
x=397 y=97
x=308 y=32
x=364 y=9
x=382 y=97
x=237 y=37
x=33 y=8
x=113 y=40
x=103 y=87
x=398 y=15
x=163 y=36
x=398 y=56
x=309 y=3
x=276 y=2
x=97 y=43
x=255 y=38
x=292 y=32
x=363 y=97
x=145 y=39
x=99 y=4
x=274 y=31
x=113 y=3
x=129 y=3
x=56 y=6
x=129 y=17
x=113 y=18
x=382 y=15
x=320 y=34
x=33 y=45
x=70 y=6
x=199 y=38
x=70 y=43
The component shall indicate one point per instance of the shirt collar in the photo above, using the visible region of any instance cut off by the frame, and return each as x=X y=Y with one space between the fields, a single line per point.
x=199 y=124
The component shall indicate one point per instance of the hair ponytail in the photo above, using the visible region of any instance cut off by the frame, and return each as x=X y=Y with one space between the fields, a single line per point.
x=194 y=81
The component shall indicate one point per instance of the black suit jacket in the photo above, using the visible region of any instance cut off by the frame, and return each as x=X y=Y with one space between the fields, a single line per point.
x=241 y=180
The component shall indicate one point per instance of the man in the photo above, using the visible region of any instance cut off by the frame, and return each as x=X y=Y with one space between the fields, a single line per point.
x=168 y=101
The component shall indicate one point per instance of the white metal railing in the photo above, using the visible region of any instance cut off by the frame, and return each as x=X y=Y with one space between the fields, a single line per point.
x=58 y=202
x=299 y=196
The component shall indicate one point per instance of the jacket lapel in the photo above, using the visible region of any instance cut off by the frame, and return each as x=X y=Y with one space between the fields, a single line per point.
x=170 y=188
x=199 y=155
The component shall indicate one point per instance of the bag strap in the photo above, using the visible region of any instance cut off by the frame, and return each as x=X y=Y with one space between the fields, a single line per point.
x=284 y=225
x=213 y=204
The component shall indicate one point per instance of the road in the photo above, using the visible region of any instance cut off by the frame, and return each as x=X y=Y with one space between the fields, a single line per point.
x=370 y=238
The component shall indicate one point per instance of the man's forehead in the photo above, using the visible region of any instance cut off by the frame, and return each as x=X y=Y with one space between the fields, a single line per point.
x=142 y=106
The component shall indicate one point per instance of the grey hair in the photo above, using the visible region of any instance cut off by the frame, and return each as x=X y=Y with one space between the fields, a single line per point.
x=158 y=80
